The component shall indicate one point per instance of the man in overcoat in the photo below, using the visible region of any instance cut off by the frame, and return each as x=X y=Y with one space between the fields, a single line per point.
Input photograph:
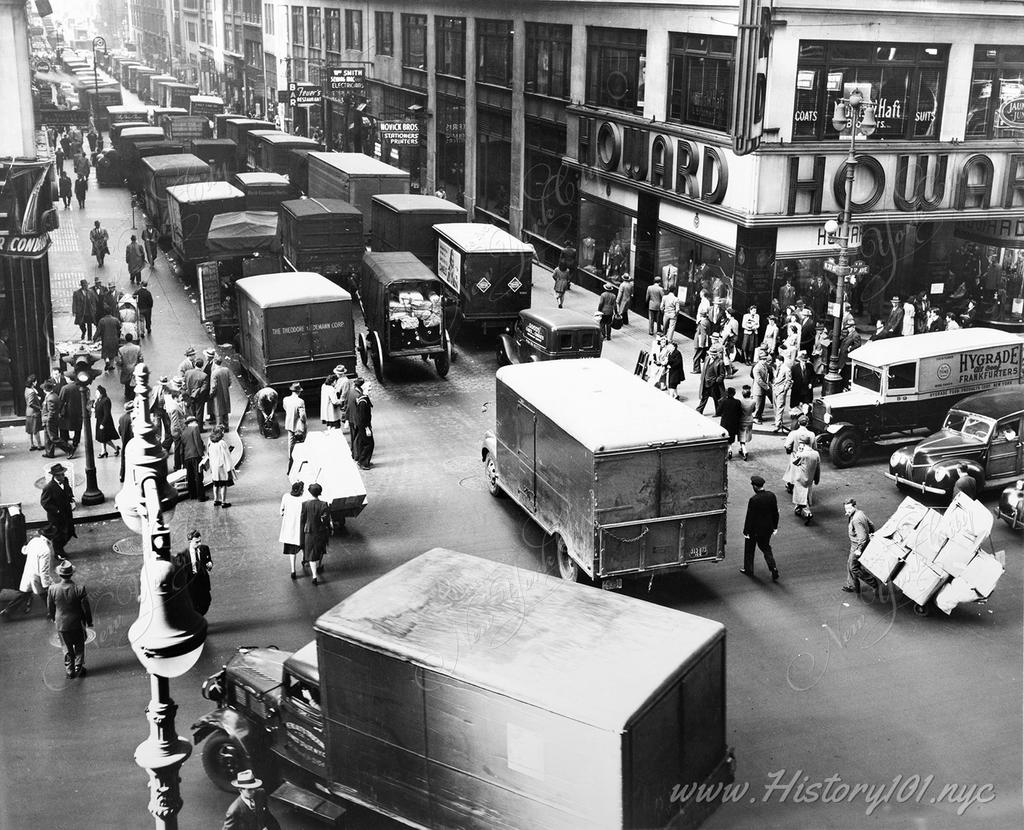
x=58 y=502
x=761 y=523
x=83 y=306
x=220 y=391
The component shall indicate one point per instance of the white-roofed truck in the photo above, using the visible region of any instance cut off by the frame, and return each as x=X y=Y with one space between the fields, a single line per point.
x=626 y=481
x=456 y=693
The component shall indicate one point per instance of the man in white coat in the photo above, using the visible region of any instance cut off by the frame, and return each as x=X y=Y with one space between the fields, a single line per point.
x=294 y=419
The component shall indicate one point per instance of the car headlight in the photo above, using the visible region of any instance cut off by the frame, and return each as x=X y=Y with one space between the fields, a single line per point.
x=1013 y=499
x=826 y=418
x=941 y=473
x=896 y=459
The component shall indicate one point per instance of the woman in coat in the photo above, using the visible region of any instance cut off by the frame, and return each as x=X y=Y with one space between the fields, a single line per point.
x=316 y=529
x=222 y=468
x=291 y=525
x=39 y=571
x=751 y=325
x=33 y=414
x=330 y=403
x=674 y=374
x=106 y=432
x=770 y=341
x=806 y=470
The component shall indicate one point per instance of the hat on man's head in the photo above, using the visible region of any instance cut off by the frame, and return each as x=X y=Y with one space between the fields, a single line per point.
x=49 y=531
x=246 y=780
x=65 y=568
x=340 y=370
x=209 y=353
x=802 y=421
x=894 y=298
x=295 y=387
x=297 y=488
x=190 y=351
x=129 y=406
x=609 y=287
x=359 y=382
x=57 y=468
x=757 y=481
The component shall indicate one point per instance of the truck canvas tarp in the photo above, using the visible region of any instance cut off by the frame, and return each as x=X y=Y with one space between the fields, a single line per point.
x=322 y=235
x=191 y=208
x=264 y=191
x=405 y=222
x=354 y=177
x=462 y=693
x=294 y=327
x=243 y=234
x=161 y=172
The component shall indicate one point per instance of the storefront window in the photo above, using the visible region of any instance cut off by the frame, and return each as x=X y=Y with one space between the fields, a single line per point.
x=989 y=275
x=996 y=109
x=693 y=265
x=451 y=147
x=550 y=190
x=616 y=65
x=414 y=41
x=383 y=27
x=700 y=80
x=905 y=81
x=606 y=234
x=548 y=53
x=494 y=163
x=494 y=52
x=450 y=37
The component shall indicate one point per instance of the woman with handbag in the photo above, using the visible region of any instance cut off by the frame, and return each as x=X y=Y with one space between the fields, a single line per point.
x=222 y=468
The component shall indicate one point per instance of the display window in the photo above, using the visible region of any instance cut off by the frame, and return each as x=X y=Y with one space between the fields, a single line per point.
x=606 y=234
x=494 y=164
x=550 y=190
x=693 y=265
x=996 y=108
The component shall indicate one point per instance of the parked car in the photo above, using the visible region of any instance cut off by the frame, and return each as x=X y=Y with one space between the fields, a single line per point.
x=982 y=432
x=549 y=334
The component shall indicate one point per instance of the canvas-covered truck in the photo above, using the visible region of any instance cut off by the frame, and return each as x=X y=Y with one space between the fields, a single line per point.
x=906 y=385
x=457 y=693
x=626 y=481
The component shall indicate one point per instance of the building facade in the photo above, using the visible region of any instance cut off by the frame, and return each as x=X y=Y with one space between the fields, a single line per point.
x=153 y=26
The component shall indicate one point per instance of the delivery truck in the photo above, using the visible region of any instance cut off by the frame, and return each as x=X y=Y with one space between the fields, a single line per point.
x=354 y=177
x=191 y=207
x=268 y=150
x=626 y=481
x=156 y=83
x=458 y=693
x=405 y=222
x=899 y=387
x=185 y=128
x=219 y=153
x=294 y=328
x=238 y=129
x=264 y=191
x=162 y=172
x=323 y=235
x=177 y=94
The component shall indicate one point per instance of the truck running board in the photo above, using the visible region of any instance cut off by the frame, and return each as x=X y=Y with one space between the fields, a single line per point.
x=309 y=802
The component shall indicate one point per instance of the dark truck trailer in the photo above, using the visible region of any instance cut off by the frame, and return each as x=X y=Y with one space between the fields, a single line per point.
x=323 y=235
x=185 y=128
x=269 y=150
x=238 y=130
x=405 y=222
x=136 y=151
x=100 y=101
x=156 y=87
x=208 y=106
x=162 y=172
x=219 y=153
x=142 y=76
x=177 y=94
x=294 y=327
x=627 y=481
x=156 y=114
x=354 y=177
x=264 y=191
x=135 y=131
x=190 y=209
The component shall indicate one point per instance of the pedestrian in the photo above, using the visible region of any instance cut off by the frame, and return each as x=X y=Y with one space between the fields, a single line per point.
x=562 y=279
x=150 y=240
x=674 y=374
x=291 y=525
x=82 y=166
x=127 y=431
x=249 y=811
x=859 y=529
x=207 y=390
x=135 y=257
x=731 y=414
x=746 y=433
x=759 y=526
x=361 y=426
x=782 y=387
x=316 y=529
x=81 y=188
x=761 y=383
x=893 y=325
x=909 y=317
x=195 y=382
x=193 y=450
x=770 y=340
x=83 y=307
x=802 y=392
x=106 y=432
x=176 y=416
x=39 y=571
x=624 y=297
x=92 y=138
x=144 y=299
x=67 y=605
x=220 y=392
x=99 y=238
x=654 y=295
x=189 y=362
x=800 y=434
x=111 y=299
x=294 y=420
x=128 y=357
x=965 y=483
x=701 y=341
x=51 y=422
x=58 y=159
x=606 y=310
x=72 y=415
x=266 y=408
x=65 y=188
x=193 y=569
x=806 y=474
x=751 y=325
x=712 y=379
x=58 y=502
x=108 y=332
x=222 y=467
x=33 y=414
x=330 y=403
x=669 y=313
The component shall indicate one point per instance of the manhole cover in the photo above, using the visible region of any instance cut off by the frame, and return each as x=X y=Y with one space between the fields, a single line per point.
x=129 y=546
x=515 y=284
x=75 y=481
x=477 y=483
x=483 y=285
x=90 y=636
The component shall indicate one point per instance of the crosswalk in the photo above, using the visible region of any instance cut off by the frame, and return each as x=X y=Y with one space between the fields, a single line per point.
x=62 y=285
x=65 y=240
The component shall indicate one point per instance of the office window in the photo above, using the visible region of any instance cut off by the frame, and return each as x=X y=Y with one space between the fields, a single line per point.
x=700 y=80
x=414 y=41
x=616 y=65
x=998 y=78
x=450 y=35
x=268 y=18
x=298 y=26
x=383 y=26
x=333 y=24
x=315 y=34
x=548 y=56
x=192 y=32
x=905 y=80
x=494 y=52
x=353 y=29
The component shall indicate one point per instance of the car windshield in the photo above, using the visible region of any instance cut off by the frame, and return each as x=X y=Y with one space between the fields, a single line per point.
x=867 y=377
x=969 y=424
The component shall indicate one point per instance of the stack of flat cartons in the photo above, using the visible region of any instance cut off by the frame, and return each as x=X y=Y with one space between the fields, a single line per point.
x=922 y=550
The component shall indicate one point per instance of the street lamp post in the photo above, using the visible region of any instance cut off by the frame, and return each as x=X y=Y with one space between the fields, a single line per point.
x=84 y=375
x=97 y=42
x=168 y=635
x=857 y=113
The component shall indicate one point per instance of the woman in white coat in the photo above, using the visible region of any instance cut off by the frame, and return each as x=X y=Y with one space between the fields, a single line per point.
x=40 y=570
x=806 y=474
x=330 y=403
x=222 y=468
x=291 y=524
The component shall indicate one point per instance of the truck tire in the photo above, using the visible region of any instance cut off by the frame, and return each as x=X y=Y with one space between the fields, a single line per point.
x=491 y=471
x=378 y=357
x=845 y=448
x=364 y=355
x=443 y=362
x=568 y=569
x=223 y=759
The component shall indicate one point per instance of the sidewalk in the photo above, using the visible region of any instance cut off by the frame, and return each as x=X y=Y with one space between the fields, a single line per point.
x=176 y=325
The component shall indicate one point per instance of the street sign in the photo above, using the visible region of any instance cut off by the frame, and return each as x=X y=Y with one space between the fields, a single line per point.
x=304 y=94
x=349 y=80
x=399 y=132
x=63 y=118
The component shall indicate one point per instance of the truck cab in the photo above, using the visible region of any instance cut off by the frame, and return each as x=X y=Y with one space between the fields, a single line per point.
x=549 y=334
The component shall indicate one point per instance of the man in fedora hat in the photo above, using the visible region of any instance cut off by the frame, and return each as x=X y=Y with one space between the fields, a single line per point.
x=606 y=309
x=58 y=501
x=249 y=811
x=294 y=419
x=192 y=451
x=67 y=604
x=220 y=391
x=144 y=297
x=893 y=327
x=188 y=362
x=83 y=306
x=712 y=379
x=125 y=430
x=207 y=391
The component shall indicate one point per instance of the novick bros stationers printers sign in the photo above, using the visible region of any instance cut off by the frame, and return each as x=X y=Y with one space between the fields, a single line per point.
x=399 y=132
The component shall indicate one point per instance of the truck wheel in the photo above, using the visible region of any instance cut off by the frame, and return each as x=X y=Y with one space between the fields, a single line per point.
x=223 y=759
x=567 y=567
x=491 y=471
x=363 y=353
x=378 y=357
x=442 y=363
x=502 y=357
x=845 y=448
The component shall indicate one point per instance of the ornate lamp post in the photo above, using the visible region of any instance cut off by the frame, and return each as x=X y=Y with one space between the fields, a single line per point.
x=84 y=375
x=168 y=635
x=858 y=114
x=98 y=42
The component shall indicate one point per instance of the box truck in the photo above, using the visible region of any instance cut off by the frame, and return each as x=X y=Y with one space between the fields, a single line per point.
x=405 y=222
x=354 y=177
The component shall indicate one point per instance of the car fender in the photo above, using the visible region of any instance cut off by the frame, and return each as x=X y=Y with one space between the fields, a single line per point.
x=239 y=727
x=490 y=447
x=836 y=426
x=951 y=466
x=508 y=348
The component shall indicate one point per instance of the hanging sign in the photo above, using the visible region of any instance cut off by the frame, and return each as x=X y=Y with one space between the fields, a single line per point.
x=349 y=80
x=304 y=94
x=399 y=132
